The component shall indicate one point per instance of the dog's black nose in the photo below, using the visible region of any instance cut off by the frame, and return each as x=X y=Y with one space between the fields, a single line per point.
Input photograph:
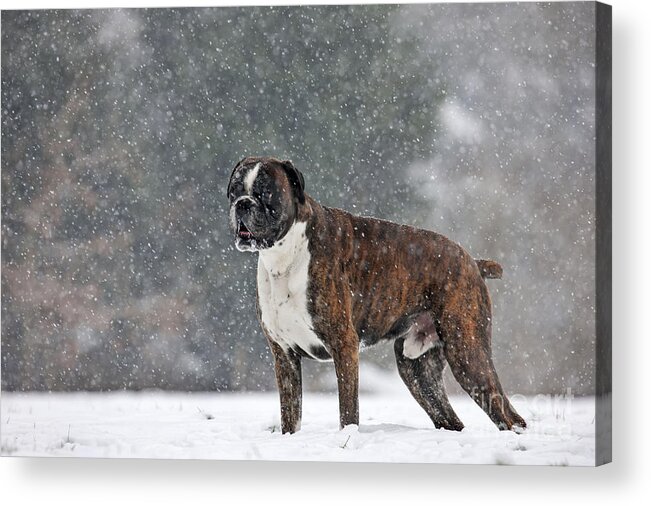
x=244 y=205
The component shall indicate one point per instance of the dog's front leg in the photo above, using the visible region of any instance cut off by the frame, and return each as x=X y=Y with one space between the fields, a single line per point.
x=346 y=359
x=288 y=378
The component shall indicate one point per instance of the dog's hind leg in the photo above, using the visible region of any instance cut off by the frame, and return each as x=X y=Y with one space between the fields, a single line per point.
x=468 y=352
x=423 y=376
x=475 y=372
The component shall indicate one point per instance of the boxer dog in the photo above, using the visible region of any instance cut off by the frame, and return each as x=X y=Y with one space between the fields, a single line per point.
x=329 y=282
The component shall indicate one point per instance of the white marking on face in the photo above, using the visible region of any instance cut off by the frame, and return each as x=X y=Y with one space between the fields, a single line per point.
x=282 y=291
x=250 y=178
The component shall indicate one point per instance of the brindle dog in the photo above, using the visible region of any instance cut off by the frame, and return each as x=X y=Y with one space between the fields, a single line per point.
x=329 y=281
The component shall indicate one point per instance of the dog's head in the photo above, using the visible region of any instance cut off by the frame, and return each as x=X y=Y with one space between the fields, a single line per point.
x=264 y=195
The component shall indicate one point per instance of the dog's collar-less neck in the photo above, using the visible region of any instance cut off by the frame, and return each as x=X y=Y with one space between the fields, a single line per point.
x=283 y=255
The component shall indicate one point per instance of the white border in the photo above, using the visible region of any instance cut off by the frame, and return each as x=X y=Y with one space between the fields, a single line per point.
x=114 y=482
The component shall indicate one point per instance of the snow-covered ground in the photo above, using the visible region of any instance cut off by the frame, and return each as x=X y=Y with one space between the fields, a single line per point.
x=393 y=428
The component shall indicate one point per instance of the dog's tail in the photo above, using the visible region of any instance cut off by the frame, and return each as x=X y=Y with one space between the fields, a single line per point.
x=489 y=269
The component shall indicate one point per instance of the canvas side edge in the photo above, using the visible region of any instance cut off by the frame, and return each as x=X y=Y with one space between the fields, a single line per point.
x=603 y=215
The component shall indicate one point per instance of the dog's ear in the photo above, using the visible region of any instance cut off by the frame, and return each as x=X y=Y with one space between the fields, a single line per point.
x=296 y=179
x=230 y=179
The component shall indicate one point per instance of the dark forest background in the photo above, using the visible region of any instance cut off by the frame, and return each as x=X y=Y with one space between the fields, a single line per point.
x=120 y=128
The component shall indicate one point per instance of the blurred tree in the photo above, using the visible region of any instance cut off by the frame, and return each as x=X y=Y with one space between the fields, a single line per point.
x=120 y=128
x=119 y=131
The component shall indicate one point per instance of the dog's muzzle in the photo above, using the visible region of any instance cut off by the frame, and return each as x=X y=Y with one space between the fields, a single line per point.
x=242 y=216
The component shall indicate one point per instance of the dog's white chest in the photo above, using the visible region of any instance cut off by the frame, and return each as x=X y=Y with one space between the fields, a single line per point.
x=282 y=293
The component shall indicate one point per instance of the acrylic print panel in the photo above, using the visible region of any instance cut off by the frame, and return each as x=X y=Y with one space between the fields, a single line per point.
x=129 y=317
